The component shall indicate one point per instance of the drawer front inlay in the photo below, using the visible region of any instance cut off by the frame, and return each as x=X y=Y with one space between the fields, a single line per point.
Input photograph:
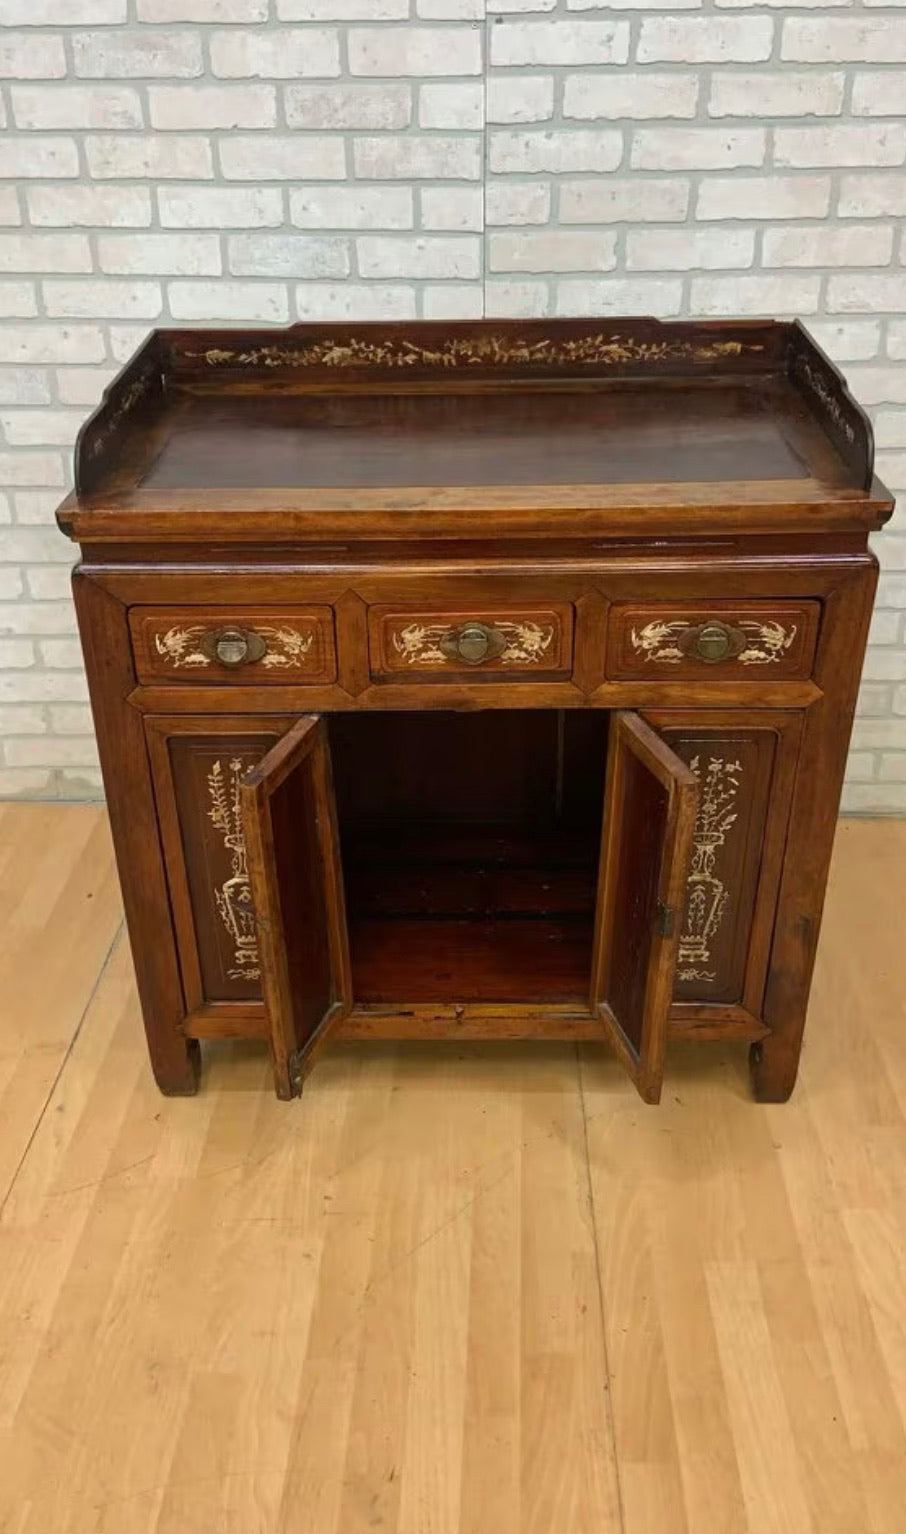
x=234 y=645
x=711 y=641
x=466 y=641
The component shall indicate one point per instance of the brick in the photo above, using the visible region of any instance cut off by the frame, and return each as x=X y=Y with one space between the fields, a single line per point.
x=82 y=386
x=617 y=295
x=838 y=39
x=212 y=106
x=452 y=301
x=848 y=245
x=22 y=719
x=755 y=295
x=228 y=302
x=697 y=148
x=202 y=10
x=896 y=340
x=451 y=106
x=517 y=202
x=560 y=42
x=428 y=158
x=41 y=428
x=874 y=698
x=192 y=255
x=136 y=54
x=44 y=253
x=219 y=207
x=414 y=50
x=766 y=197
x=63 y=13
x=30 y=157
x=76 y=106
x=348 y=106
x=633 y=201
x=31 y=751
x=352 y=207
x=841 y=144
x=343 y=10
x=17 y=299
x=685 y=250
x=847 y=340
x=552 y=250
x=35 y=545
x=126 y=156
x=23 y=386
x=705 y=39
x=452 y=207
x=70 y=719
x=630 y=95
x=890 y=428
x=550 y=150
x=866 y=292
x=877 y=385
x=50 y=583
x=872 y=196
x=881 y=93
x=9 y=206
x=116 y=300
x=519 y=98
x=38 y=618
x=10 y=589
x=860 y=767
x=450 y=10
x=355 y=301
x=51 y=343
x=892 y=469
x=16 y=652
x=285 y=54
x=43 y=686
x=36 y=508
x=31 y=57
x=500 y=6
x=789 y=94
x=287 y=255
x=419 y=256
x=303 y=157
x=116 y=207
x=29 y=469
x=505 y=299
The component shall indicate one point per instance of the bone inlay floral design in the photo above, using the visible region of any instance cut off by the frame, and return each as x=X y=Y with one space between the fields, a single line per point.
x=659 y=641
x=707 y=895
x=286 y=647
x=597 y=349
x=527 y=644
x=233 y=897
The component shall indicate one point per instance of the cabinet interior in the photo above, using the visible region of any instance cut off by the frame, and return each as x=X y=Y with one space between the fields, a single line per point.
x=470 y=845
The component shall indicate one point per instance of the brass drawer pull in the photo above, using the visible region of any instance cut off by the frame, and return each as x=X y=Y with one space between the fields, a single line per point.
x=472 y=642
x=233 y=646
x=712 y=641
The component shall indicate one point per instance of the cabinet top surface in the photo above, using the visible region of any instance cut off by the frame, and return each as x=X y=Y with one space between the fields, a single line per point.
x=474 y=430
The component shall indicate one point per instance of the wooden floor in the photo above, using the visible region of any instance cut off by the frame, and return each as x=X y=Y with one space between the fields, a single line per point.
x=463 y=1290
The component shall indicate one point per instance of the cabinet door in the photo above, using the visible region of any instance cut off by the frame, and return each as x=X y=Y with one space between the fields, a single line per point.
x=289 y=819
x=650 y=804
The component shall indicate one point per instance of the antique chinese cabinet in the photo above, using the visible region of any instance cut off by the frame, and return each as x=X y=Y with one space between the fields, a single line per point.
x=475 y=680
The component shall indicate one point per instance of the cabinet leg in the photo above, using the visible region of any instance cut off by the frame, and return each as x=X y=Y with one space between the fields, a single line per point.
x=176 y=1066
x=773 y=1066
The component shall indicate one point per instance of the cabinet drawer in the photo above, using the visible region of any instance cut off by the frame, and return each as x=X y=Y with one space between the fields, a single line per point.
x=234 y=645
x=468 y=641
x=711 y=641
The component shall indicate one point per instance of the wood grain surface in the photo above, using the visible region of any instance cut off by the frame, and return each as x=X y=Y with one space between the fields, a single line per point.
x=457 y=1290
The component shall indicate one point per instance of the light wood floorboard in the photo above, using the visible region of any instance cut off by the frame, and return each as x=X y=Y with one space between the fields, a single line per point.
x=454 y=1290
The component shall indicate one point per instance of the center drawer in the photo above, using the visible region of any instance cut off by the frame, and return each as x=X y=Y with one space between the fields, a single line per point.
x=470 y=641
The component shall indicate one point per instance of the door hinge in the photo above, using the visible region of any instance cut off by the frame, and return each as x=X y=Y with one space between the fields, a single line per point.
x=664 y=918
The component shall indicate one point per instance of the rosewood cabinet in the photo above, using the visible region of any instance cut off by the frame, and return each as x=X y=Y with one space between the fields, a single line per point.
x=475 y=680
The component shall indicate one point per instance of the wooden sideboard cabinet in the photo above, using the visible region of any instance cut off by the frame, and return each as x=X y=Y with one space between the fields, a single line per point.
x=475 y=680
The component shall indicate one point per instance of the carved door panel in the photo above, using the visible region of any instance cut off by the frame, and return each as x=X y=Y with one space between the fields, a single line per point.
x=745 y=763
x=197 y=764
x=650 y=806
x=289 y=816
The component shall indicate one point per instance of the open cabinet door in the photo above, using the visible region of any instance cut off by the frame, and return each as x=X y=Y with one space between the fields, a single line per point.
x=650 y=806
x=290 y=827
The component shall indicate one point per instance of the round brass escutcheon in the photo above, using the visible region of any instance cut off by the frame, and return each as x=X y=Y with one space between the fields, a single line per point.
x=472 y=642
x=713 y=641
x=233 y=646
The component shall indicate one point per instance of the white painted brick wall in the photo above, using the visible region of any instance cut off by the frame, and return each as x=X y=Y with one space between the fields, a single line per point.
x=234 y=161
